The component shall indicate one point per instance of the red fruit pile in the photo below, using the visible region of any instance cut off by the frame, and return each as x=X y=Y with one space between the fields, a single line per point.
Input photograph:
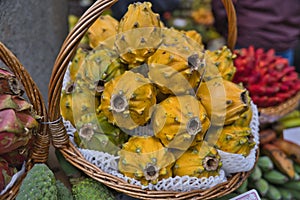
x=17 y=127
x=269 y=78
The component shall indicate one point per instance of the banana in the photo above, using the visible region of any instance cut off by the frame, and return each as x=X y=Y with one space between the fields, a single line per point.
x=285 y=193
x=291 y=123
x=275 y=177
x=291 y=115
x=243 y=188
x=262 y=186
x=293 y=185
x=280 y=159
x=295 y=193
x=267 y=136
x=297 y=167
x=255 y=174
x=265 y=163
x=290 y=148
x=273 y=193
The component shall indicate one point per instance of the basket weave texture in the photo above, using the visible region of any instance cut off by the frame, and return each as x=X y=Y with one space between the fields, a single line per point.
x=60 y=138
x=40 y=150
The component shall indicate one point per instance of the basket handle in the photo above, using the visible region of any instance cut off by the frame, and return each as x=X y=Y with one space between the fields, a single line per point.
x=41 y=145
x=232 y=26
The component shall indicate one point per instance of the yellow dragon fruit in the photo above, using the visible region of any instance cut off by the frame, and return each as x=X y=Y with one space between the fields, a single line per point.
x=223 y=100
x=176 y=66
x=245 y=118
x=77 y=62
x=180 y=121
x=96 y=133
x=77 y=100
x=223 y=59
x=127 y=100
x=232 y=139
x=145 y=159
x=139 y=33
x=99 y=66
x=198 y=161
x=102 y=29
x=194 y=35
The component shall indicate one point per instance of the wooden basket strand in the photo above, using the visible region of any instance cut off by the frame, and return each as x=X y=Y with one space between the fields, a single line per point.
x=60 y=139
x=41 y=144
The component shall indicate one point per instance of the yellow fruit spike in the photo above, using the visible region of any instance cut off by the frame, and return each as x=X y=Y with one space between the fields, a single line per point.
x=180 y=122
x=103 y=28
x=194 y=35
x=146 y=160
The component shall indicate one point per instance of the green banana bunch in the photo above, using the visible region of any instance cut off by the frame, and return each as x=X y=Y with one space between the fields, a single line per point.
x=290 y=120
x=270 y=182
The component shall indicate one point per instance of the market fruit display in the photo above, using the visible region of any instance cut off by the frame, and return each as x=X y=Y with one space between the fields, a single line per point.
x=151 y=98
x=269 y=78
x=18 y=125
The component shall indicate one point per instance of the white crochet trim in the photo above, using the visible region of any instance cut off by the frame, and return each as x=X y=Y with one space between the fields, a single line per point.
x=15 y=177
x=233 y=163
x=109 y=164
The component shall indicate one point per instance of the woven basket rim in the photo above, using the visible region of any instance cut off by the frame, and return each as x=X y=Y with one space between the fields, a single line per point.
x=276 y=112
x=61 y=141
x=40 y=150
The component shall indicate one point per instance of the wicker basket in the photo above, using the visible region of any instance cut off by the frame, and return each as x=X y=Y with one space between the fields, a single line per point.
x=40 y=150
x=61 y=140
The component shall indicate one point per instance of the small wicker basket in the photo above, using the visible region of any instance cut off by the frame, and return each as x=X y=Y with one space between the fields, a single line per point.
x=272 y=114
x=40 y=150
x=61 y=140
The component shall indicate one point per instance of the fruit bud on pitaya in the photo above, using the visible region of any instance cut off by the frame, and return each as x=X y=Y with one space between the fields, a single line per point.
x=6 y=173
x=144 y=158
x=223 y=100
x=128 y=100
x=17 y=123
x=96 y=133
x=102 y=29
x=194 y=35
x=199 y=161
x=9 y=84
x=180 y=121
x=269 y=78
x=139 y=33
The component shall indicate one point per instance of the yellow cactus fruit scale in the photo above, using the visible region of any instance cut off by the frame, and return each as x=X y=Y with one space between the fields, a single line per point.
x=199 y=161
x=128 y=100
x=245 y=118
x=223 y=100
x=99 y=65
x=223 y=59
x=194 y=35
x=145 y=159
x=77 y=100
x=103 y=28
x=139 y=33
x=96 y=133
x=176 y=66
x=180 y=122
x=233 y=139
x=76 y=63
